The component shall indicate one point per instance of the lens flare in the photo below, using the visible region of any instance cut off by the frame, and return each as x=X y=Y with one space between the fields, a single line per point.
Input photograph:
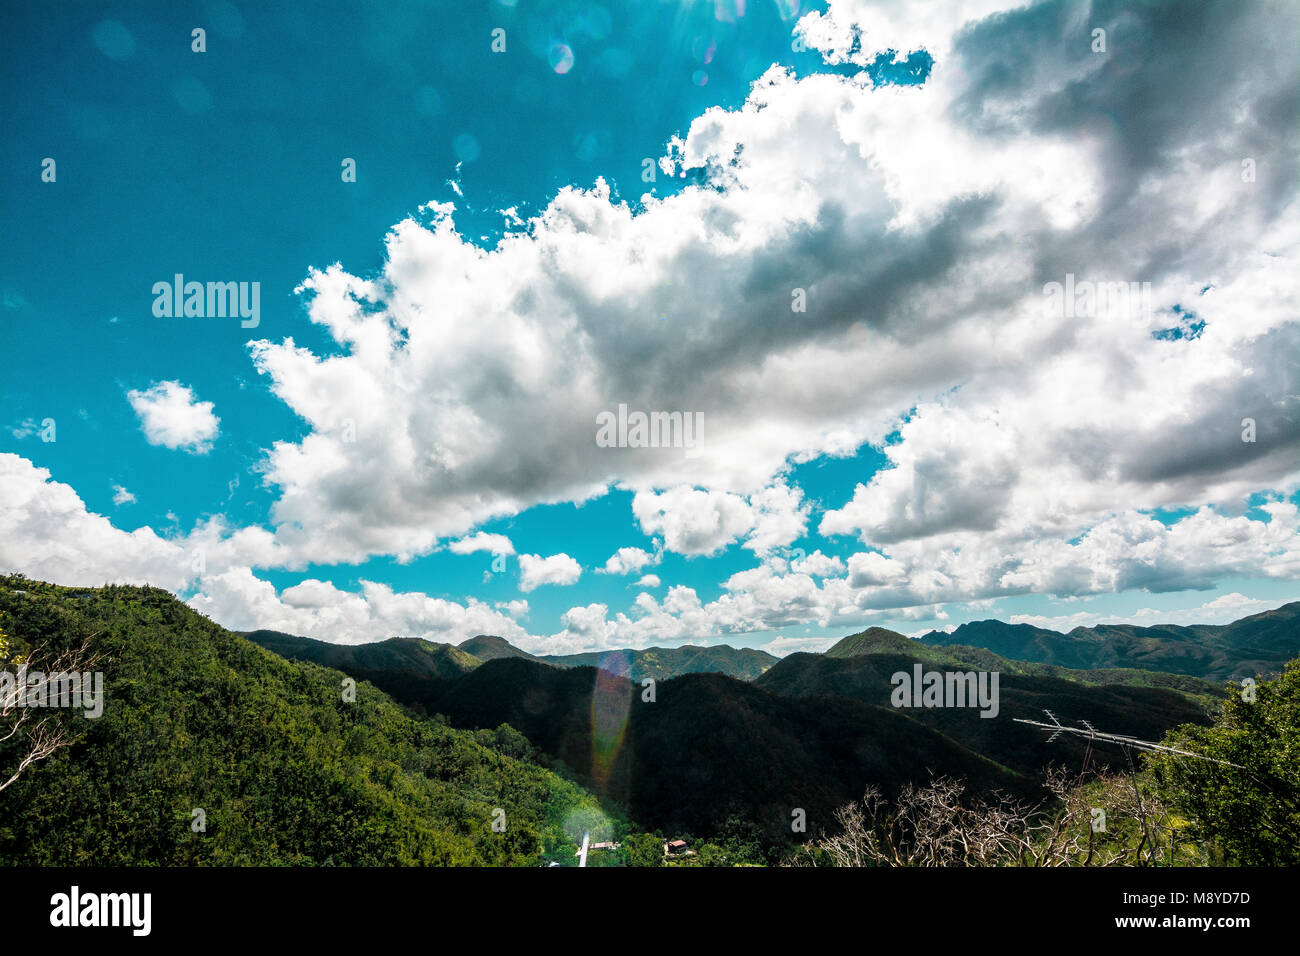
x=466 y=147
x=611 y=699
x=560 y=57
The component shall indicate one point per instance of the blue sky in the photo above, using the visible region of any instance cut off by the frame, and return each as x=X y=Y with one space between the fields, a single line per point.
x=224 y=165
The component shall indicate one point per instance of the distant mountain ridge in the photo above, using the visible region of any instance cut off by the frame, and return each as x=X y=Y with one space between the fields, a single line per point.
x=489 y=647
x=1254 y=645
x=418 y=657
x=663 y=663
x=872 y=640
x=412 y=655
x=1145 y=704
x=1248 y=647
x=808 y=730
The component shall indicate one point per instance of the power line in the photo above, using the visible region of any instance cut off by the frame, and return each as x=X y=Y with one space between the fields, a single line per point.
x=1129 y=743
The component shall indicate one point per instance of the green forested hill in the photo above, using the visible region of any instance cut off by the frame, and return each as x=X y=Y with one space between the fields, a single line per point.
x=1024 y=691
x=412 y=654
x=663 y=663
x=708 y=750
x=879 y=640
x=1250 y=647
x=285 y=770
x=488 y=647
x=873 y=639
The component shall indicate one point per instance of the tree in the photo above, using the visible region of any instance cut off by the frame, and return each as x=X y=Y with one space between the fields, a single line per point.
x=37 y=737
x=643 y=849
x=710 y=854
x=1250 y=811
x=743 y=840
x=933 y=825
x=505 y=739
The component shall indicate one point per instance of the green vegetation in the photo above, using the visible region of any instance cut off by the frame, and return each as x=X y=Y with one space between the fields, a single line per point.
x=873 y=640
x=1025 y=691
x=487 y=647
x=410 y=654
x=808 y=733
x=664 y=663
x=285 y=771
x=1260 y=643
x=879 y=640
x=1249 y=812
x=1239 y=807
x=708 y=748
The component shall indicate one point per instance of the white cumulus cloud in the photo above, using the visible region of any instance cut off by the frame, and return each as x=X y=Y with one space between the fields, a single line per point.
x=482 y=541
x=535 y=570
x=171 y=416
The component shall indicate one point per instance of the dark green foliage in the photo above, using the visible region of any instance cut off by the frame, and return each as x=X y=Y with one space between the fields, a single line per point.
x=809 y=733
x=1251 y=814
x=1146 y=712
x=643 y=849
x=661 y=663
x=286 y=771
x=707 y=750
x=879 y=640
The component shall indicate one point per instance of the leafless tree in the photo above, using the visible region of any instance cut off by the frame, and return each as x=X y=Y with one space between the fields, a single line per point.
x=932 y=825
x=36 y=733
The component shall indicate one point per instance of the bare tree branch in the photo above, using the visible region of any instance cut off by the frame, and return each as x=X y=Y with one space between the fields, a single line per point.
x=40 y=737
x=932 y=825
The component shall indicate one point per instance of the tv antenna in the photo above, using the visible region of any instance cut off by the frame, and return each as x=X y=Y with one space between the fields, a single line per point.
x=1127 y=743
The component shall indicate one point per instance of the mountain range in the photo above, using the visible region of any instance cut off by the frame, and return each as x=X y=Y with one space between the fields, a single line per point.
x=1140 y=706
x=409 y=654
x=417 y=656
x=661 y=663
x=1249 y=646
x=1113 y=653
x=759 y=734
x=705 y=750
x=251 y=730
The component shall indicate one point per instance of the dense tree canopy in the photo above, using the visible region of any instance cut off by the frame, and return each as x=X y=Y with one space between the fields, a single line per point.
x=283 y=769
x=1250 y=811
